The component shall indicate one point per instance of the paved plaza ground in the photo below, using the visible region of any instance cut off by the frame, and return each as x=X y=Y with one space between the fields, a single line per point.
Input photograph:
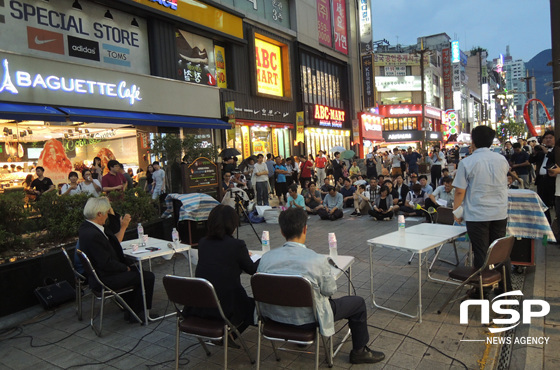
x=35 y=339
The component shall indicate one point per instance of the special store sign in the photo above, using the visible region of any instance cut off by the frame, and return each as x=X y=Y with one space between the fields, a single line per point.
x=268 y=59
x=329 y=117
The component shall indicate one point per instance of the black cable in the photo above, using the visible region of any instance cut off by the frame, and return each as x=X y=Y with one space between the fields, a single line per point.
x=422 y=342
x=180 y=354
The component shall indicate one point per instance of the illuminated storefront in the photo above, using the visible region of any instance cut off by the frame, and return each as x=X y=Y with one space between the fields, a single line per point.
x=371 y=132
x=252 y=138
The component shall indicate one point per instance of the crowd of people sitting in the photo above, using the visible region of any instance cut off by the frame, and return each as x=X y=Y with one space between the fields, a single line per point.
x=94 y=182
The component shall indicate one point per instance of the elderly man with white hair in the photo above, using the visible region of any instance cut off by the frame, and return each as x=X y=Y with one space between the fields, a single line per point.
x=105 y=253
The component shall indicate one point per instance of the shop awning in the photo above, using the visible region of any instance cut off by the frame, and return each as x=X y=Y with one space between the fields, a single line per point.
x=25 y=112
x=147 y=119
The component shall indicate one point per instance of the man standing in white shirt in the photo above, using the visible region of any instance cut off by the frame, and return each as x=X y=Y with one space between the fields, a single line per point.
x=158 y=186
x=260 y=173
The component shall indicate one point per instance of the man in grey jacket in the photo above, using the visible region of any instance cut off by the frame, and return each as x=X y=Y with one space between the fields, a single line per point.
x=293 y=258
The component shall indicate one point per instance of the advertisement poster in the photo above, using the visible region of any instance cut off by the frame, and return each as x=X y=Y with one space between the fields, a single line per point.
x=196 y=58
x=202 y=172
x=340 y=32
x=230 y=113
x=268 y=60
x=274 y=142
x=221 y=76
x=368 y=83
x=246 y=141
x=324 y=22
x=299 y=127
x=366 y=37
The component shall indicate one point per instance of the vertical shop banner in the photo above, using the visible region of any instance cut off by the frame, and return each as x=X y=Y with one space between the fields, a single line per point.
x=300 y=133
x=447 y=78
x=368 y=83
x=246 y=141
x=195 y=58
x=230 y=113
x=221 y=75
x=274 y=142
x=324 y=22
x=340 y=31
x=366 y=37
x=356 y=131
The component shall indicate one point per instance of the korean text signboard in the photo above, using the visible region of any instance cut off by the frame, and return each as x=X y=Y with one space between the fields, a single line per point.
x=447 y=78
x=366 y=36
x=340 y=32
x=331 y=18
x=324 y=22
x=368 y=83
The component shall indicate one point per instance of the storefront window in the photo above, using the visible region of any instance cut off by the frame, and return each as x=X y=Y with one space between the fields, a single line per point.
x=404 y=123
x=260 y=139
x=252 y=140
x=324 y=139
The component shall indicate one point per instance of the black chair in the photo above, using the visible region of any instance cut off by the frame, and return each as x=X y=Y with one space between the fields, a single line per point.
x=103 y=294
x=489 y=274
x=79 y=282
x=289 y=291
x=445 y=217
x=199 y=293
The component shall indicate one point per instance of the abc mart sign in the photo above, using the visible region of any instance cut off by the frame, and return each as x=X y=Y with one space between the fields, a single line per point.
x=33 y=80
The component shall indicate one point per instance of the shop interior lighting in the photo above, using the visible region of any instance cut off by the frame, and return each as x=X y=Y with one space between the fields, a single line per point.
x=76 y=5
x=134 y=23
x=108 y=14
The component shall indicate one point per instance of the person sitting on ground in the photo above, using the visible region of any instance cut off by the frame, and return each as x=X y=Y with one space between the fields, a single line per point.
x=113 y=180
x=393 y=193
x=362 y=203
x=347 y=192
x=425 y=186
x=295 y=200
x=294 y=258
x=354 y=169
x=325 y=187
x=383 y=207
x=41 y=184
x=339 y=183
x=105 y=253
x=332 y=206
x=416 y=196
x=238 y=180
x=413 y=179
x=359 y=180
x=90 y=185
x=444 y=174
x=380 y=179
x=73 y=187
x=401 y=189
x=313 y=200
x=443 y=194
x=221 y=260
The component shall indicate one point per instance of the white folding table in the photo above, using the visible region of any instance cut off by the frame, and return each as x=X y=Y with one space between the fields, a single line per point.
x=165 y=248
x=417 y=239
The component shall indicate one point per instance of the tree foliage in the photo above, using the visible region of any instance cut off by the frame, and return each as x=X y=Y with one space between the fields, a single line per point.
x=171 y=148
x=510 y=129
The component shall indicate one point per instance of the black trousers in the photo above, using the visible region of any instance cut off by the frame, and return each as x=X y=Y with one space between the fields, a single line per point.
x=482 y=234
x=435 y=173
x=546 y=187
x=132 y=278
x=380 y=216
x=325 y=215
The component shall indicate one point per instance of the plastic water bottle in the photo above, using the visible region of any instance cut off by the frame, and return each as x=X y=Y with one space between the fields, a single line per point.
x=402 y=225
x=140 y=229
x=265 y=241
x=333 y=252
x=175 y=237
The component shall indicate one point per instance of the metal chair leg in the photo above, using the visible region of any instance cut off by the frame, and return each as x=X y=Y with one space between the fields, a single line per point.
x=226 y=337
x=177 y=344
x=259 y=334
x=243 y=344
x=79 y=299
x=317 y=334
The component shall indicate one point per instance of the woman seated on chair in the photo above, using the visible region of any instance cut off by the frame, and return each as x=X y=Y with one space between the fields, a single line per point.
x=221 y=260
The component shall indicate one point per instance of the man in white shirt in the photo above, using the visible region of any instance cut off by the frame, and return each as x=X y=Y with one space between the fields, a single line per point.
x=158 y=186
x=260 y=177
x=396 y=160
x=443 y=195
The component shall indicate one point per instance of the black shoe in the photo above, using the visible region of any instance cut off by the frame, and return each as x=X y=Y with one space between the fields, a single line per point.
x=358 y=214
x=367 y=356
x=353 y=213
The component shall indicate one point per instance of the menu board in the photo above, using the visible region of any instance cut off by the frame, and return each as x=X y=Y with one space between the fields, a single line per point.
x=202 y=173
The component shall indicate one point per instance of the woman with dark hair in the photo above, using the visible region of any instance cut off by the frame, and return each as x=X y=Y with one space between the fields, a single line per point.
x=149 y=179
x=221 y=260
x=71 y=188
x=383 y=206
x=96 y=169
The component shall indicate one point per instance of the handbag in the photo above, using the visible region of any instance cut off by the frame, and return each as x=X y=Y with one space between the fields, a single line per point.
x=55 y=294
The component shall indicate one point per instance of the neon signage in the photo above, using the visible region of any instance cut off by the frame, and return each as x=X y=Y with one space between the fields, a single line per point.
x=269 y=68
x=328 y=114
x=171 y=4
x=25 y=79
x=455 y=52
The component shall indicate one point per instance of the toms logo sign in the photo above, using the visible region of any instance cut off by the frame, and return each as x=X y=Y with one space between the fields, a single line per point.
x=499 y=306
x=83 y=48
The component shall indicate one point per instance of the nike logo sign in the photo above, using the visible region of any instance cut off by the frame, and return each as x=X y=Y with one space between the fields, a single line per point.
x=41 y=42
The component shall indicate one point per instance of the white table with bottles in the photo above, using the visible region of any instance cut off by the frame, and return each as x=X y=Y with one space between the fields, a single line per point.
x=153 y=248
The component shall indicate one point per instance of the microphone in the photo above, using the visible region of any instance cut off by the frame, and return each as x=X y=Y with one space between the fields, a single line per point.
x=332 y=263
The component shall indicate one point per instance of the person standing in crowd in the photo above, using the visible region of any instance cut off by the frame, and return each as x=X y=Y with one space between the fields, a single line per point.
x=396 y=159
x=544 y=160
x=90 y=185
x=337 y=166
x=436 y=159
x=97 y=168
x=128 y=178
x=412 y=157
x=296 y=165
x=481 y=191
x=41 y=184
x=306 y=171
x=149 y=179
x=320 y=165
x=271 y=174
x=519 y=162
x=158 y=187
x=73 y=187
x=281 y=185
x=221 y=260
x=295 y=258
x=104 y=251
x=508 y=150
x=113 y=180
x=371 y=165
x=260 y=173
